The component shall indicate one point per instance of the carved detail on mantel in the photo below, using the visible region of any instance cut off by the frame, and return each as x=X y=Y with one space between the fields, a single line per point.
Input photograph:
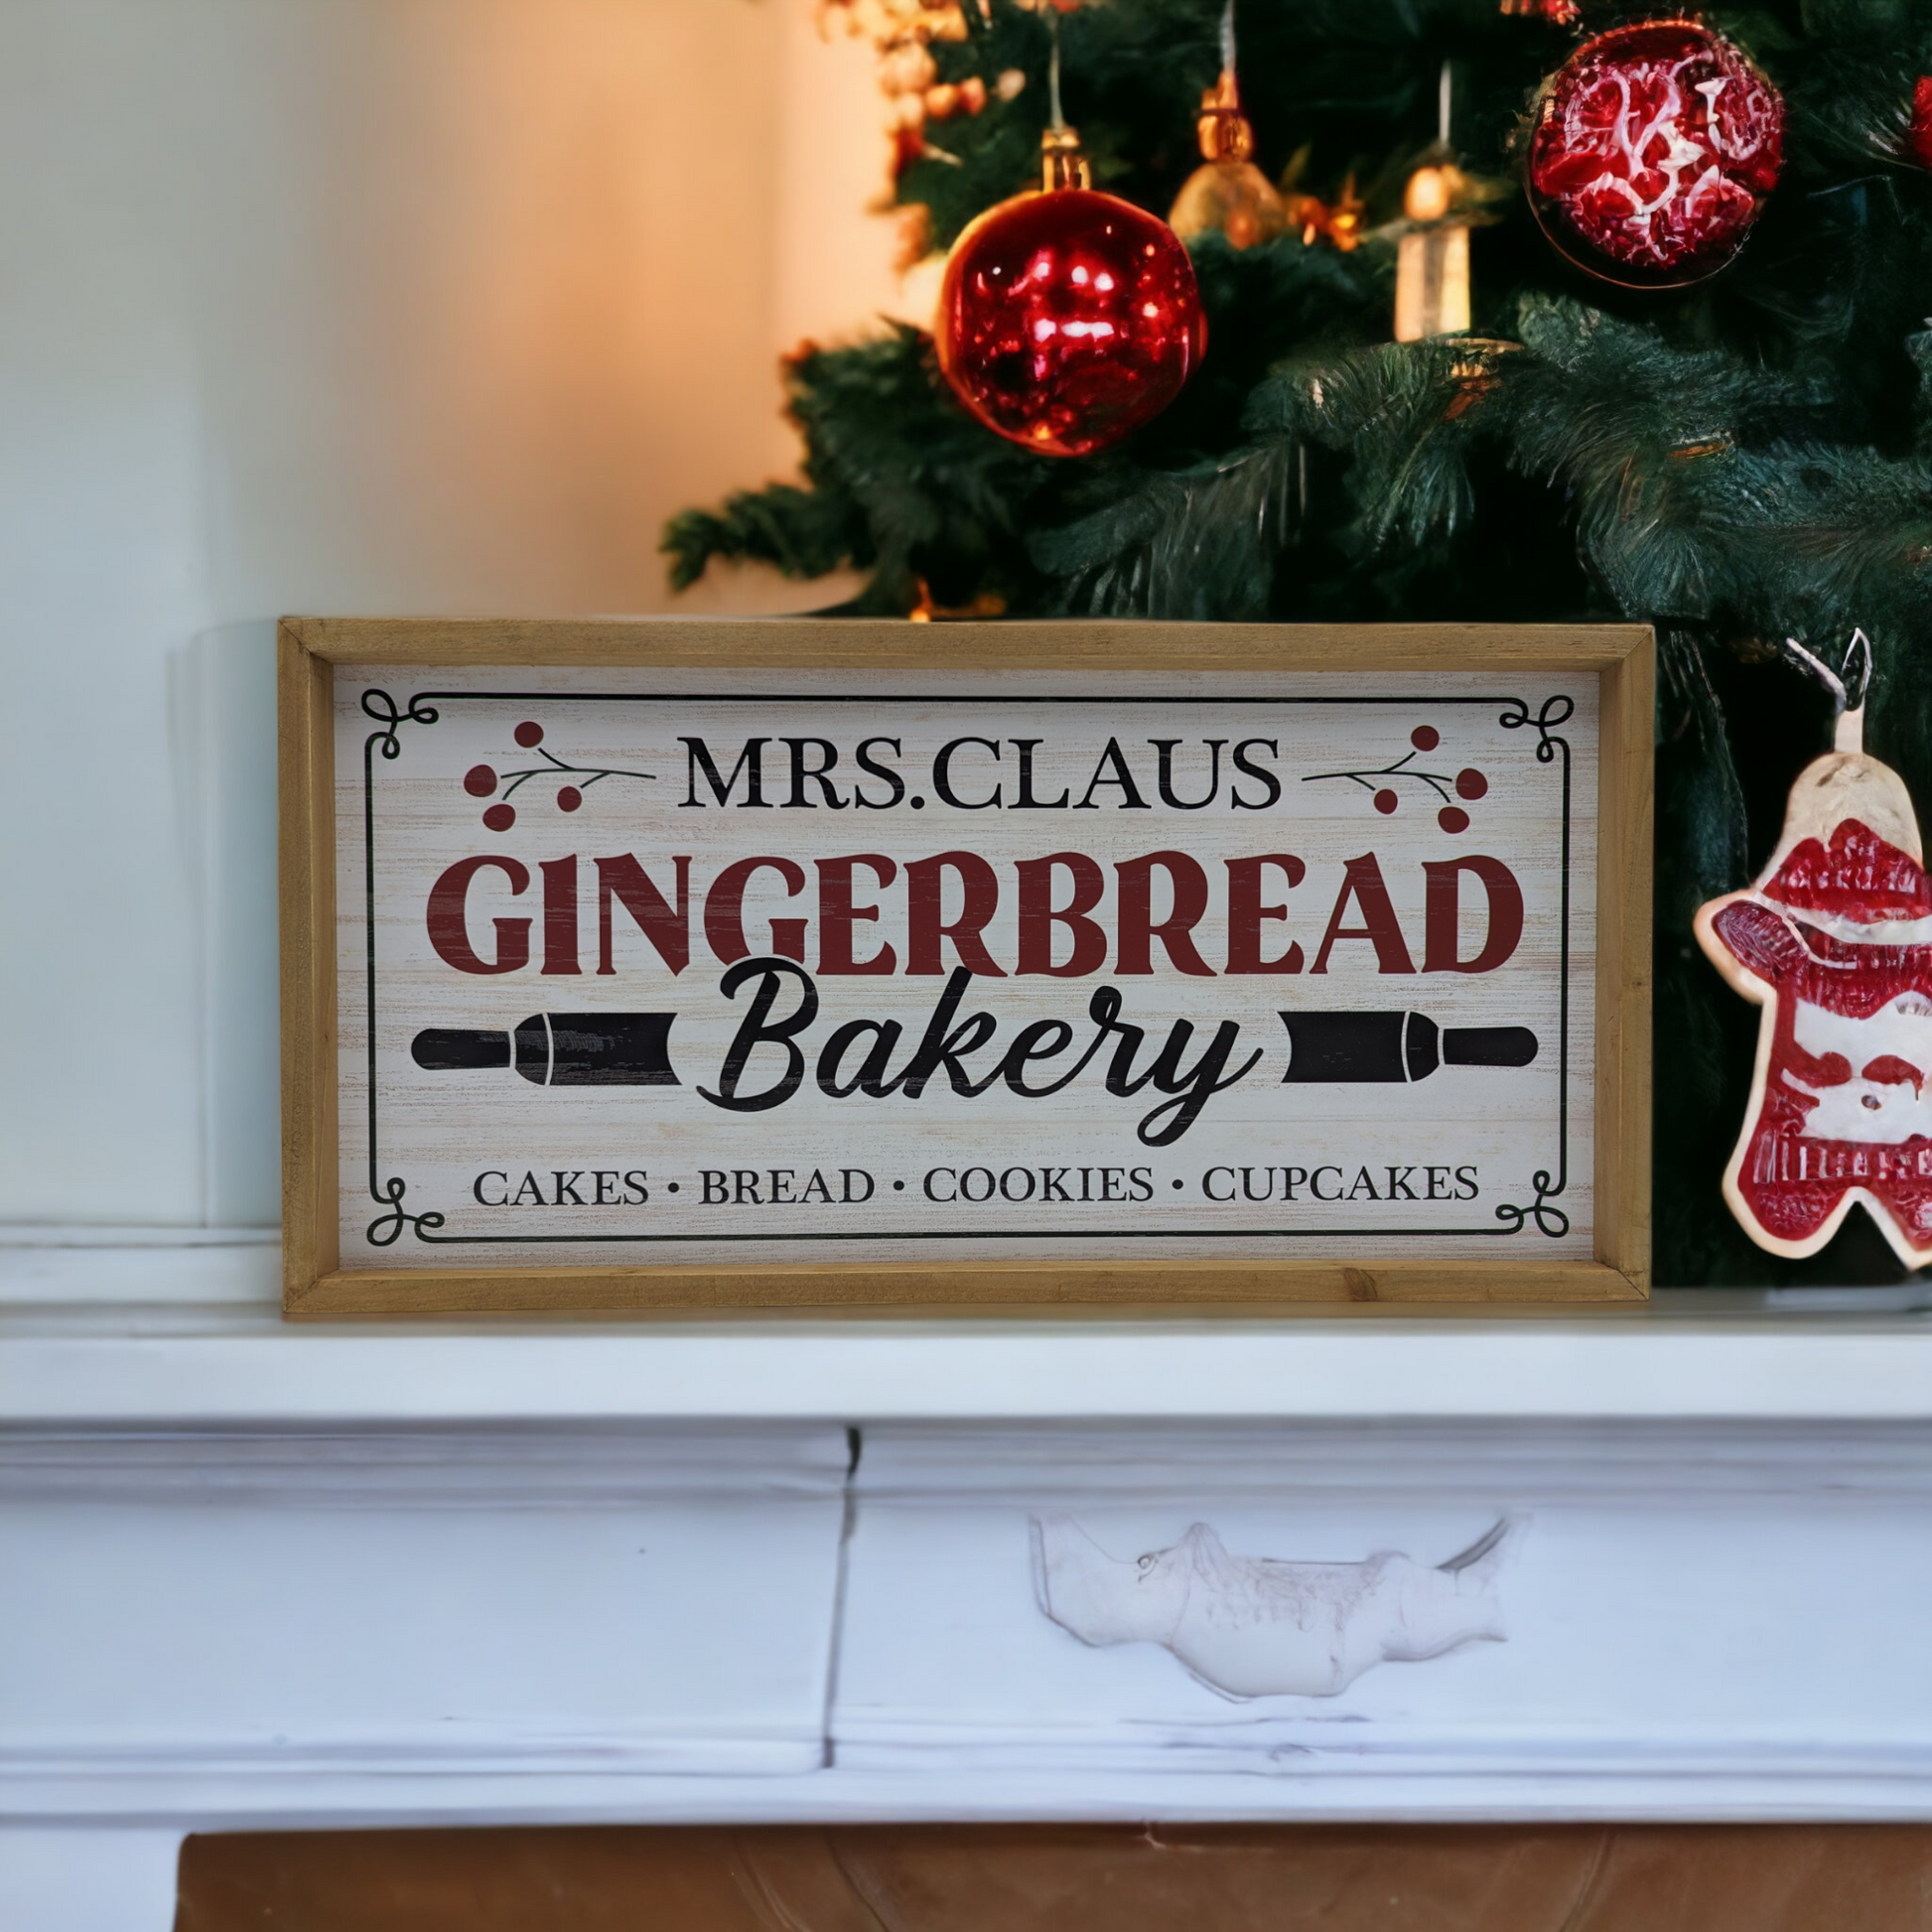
x=1257 y=1626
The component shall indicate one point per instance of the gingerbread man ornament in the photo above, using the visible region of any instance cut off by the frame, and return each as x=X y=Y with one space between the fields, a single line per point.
x=1834 y=941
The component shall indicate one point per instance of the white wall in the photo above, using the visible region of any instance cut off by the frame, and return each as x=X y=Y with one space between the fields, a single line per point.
x=341 y=306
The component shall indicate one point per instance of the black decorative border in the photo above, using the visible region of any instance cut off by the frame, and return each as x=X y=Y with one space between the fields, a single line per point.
x=387 y=1229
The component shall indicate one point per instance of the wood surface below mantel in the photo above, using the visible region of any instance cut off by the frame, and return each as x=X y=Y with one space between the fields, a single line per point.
x=1585 y=1878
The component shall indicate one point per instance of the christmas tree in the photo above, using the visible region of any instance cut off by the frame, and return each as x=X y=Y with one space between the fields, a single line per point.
x=1743 y=461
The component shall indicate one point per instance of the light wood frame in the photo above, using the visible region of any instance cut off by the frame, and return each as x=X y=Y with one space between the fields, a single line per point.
x=316 y=1287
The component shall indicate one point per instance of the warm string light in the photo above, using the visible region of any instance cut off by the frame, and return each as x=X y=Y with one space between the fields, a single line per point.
x=1432 y=271
x=902 y=33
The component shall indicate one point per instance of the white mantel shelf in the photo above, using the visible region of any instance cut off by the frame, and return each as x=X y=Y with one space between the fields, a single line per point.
x=186 y=1331
x=668 y=1570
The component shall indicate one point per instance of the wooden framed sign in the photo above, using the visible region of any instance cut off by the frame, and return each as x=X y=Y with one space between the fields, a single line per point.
x=670 y=965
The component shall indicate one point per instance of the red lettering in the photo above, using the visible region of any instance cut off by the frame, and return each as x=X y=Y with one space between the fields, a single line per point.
x=836 y=913
x=1362 y=881
x=724 y=910
x=449 y=928
x=1038 y=915
x=560 y=914
x=624 y=880
x=1137 y=930
x=1246 y=913
x=924 y=894
x=1443 y=915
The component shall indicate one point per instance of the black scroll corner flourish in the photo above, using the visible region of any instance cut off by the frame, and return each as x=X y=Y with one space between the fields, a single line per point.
x=380 y=706
x=1549 y=1219
x=386 y=1230
x=1557 y=709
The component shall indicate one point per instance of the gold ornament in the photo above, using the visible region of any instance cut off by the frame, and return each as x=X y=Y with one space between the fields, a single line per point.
x=1228 y=195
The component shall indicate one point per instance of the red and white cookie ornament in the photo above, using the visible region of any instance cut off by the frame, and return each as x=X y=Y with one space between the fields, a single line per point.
x=1834 y=941
x=1652 y=149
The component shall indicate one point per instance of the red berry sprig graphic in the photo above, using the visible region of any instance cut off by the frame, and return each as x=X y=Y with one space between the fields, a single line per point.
x=484 y=780
x=1468 y=784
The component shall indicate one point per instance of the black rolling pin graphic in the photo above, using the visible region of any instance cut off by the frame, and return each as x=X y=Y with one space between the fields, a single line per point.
x=1393 y=1046
x=560 y=1049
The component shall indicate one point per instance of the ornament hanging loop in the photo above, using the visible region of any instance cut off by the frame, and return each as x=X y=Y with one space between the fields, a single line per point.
x=1061 y=164
x=1847 y=686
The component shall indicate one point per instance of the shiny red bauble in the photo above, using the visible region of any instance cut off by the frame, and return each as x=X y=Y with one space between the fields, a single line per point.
x=1652 y=150
x=1068 y=318
x=1918 y=135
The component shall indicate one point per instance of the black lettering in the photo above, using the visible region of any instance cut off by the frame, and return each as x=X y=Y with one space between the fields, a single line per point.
x=1027 y=801
x=1248 y=1184
x=476 y=1188
x=931 y=1174
x=1193 y=1086
x=1053 y=1184
x=966 y=1186
x=634 y=1191
x=877 y=771
x=697 y=758
x=1207 y=1183
x=846 y=1178
x=1029 y=1043
x=528 y=1186
x=1431 y=1173
x=1399 y=1189
x=1362 y=1180
x=567 y=1187
x=942 y=775
x=803 y=773
x=939 y=1048
x=602 y=1176
x=1315 y=1184
x=781 y=1179
x=756 y=1030
x=716 y=1194
x=1006 y=1194
x=1165 y=778
x=1112 y=1181
x=1131 y=799
x=1244 y=765
x=1141 y=1180
x=1291 y=1178
x=1466 y=1189
x=744 y=1188
x=871 y=1077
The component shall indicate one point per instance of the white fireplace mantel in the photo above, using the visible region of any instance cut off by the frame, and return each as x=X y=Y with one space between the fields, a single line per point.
x=106 y=1326
x=261 y=1573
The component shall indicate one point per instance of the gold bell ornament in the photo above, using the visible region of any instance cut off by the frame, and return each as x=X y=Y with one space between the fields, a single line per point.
x=1228 y=195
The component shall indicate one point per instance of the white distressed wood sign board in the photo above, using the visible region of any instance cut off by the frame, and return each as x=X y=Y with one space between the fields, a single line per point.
x=643 y=965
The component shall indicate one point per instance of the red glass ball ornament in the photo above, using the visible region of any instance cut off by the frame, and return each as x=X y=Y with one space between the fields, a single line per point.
x=1653 y=148
x=1068 y=318
x=1918 y=135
